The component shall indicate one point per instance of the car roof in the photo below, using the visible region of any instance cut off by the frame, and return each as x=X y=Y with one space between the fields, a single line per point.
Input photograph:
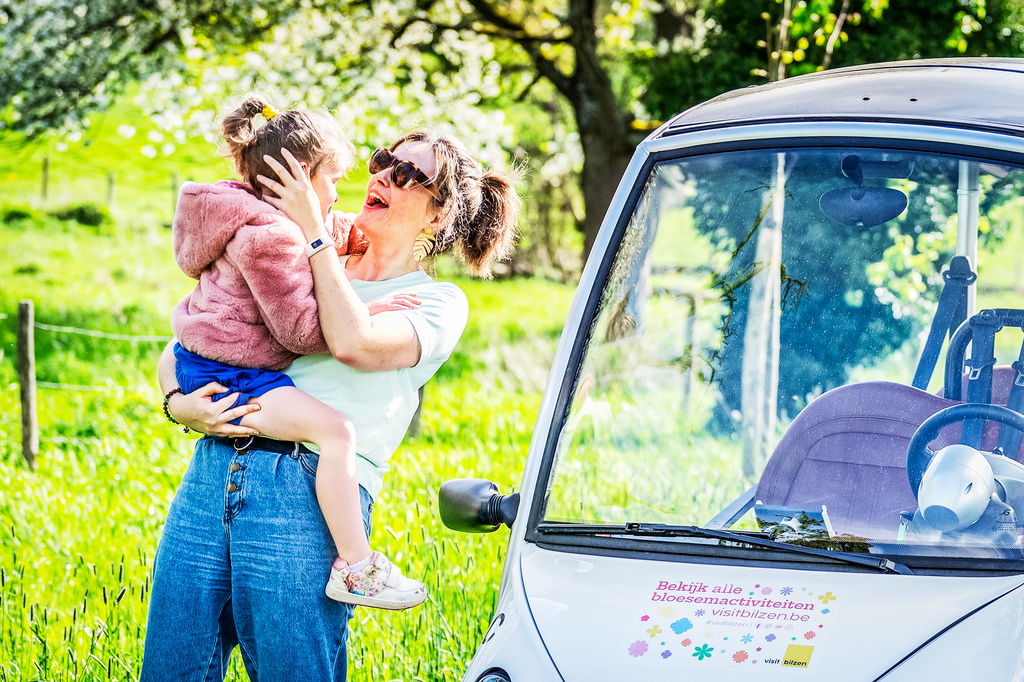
x=985 y=93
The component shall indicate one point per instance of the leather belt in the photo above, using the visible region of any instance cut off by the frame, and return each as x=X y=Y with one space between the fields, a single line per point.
x=247 y=443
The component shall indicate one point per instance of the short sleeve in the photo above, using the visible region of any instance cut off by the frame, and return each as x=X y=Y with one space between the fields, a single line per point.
x=439 y=321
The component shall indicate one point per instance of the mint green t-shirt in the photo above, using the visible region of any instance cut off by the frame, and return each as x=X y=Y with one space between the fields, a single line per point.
x=381 y=404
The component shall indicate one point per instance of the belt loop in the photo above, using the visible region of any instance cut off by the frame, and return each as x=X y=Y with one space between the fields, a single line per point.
x=241 y=444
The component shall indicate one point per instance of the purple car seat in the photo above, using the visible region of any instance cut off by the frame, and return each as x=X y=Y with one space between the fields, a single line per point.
x=847 y=450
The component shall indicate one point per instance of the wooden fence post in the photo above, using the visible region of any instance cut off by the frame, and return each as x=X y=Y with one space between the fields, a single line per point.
x=110 y=190
x=46 y=178
x=175 y=185
x=27 y=381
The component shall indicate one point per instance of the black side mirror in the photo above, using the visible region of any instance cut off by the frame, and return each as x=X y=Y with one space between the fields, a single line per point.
x=473 y=505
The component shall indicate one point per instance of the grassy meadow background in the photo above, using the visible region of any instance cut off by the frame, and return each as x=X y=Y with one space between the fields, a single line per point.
x=77 y=535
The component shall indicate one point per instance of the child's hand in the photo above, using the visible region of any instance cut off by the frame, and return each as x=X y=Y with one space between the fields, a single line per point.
x=396 y=302
x=294 y=194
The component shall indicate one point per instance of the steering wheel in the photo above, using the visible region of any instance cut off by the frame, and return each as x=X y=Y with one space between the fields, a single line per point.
x=919 y=454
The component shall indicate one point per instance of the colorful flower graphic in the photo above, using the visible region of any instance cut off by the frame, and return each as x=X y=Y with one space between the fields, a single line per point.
x=770 y=638
x=666 y=612
x=702 y=652
x=686 y=642
x=638 y=648
x=652 y=631
x=746 y=639
x=809 y=635
x=666 y=653
x=681 y=626
x=739 y=656
x=786 y=591
x=826 y=598
x=766 y=590
x=645 y=618
x=699 y=612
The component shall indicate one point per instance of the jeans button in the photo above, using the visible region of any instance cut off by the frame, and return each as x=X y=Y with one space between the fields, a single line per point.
x=235 y=466
x=232 y=487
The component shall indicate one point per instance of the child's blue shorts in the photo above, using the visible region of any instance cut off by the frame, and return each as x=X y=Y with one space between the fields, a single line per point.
x=194 y=371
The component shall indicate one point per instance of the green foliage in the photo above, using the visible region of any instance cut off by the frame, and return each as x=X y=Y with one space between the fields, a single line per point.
x=84 y=214
x=125 y=147
x=743 y=45
x=66 y=58
x=15 y=215
x=941 y=28
x=79 y=534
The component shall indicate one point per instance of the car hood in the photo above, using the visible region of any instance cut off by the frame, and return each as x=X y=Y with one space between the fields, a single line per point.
x=606 y=617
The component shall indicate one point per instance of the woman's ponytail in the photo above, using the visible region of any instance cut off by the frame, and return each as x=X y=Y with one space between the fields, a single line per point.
x=479 y=211
x=490 y=235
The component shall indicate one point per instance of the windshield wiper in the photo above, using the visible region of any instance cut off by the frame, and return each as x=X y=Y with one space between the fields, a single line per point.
x=754 y=539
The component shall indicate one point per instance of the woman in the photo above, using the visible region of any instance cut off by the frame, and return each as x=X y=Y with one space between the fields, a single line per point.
x=241 y=560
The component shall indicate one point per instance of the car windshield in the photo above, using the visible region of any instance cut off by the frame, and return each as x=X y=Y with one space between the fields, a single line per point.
x=752 y=359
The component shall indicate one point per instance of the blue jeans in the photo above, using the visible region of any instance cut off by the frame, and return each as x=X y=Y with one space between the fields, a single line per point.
x=243 y=560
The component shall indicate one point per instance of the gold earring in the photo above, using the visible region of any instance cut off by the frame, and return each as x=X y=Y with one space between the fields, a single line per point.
x=424 y=244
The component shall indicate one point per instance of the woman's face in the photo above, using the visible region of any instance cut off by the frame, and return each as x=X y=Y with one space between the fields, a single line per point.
x=325 y=182
x=404 y=210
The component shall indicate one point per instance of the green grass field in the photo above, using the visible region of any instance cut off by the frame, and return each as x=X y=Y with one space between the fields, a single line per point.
x=78 y=534
x=144 y=190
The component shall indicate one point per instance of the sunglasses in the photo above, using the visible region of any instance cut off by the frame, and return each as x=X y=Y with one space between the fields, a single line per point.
x=403 y=173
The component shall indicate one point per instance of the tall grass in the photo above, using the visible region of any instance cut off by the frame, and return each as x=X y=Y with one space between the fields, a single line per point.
x=144 y=191
x=79 y=533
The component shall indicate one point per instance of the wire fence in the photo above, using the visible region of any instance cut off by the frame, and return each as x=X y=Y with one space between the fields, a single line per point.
x=27 y=372
x=102 y=335
x=98 y=335
x=28 y=384
x=145 y=338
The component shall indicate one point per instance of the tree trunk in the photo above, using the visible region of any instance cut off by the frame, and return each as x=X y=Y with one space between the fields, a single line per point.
x=606 y=133
x=606 y=153
x=760 y=386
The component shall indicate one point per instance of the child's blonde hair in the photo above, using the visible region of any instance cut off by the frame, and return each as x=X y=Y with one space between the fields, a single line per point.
x=314 y=138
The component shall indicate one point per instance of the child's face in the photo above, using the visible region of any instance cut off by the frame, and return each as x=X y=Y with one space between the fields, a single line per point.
x=325 y=182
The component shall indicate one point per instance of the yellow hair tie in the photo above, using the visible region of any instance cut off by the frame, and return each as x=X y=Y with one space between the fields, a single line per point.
x=269 y=112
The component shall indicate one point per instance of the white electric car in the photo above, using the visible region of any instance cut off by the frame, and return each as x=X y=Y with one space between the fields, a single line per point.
x=781 y=434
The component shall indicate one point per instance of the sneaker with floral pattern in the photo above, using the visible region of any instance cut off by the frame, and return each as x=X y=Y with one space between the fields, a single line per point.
x=378 y=584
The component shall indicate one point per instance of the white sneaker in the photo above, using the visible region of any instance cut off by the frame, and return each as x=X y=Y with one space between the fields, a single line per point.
x=378 y=584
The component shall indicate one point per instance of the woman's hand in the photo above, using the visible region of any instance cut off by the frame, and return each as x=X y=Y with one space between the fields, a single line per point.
x=294 y=194
x=199 y=412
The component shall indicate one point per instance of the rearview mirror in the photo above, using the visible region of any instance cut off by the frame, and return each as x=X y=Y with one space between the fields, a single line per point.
x=473 y=505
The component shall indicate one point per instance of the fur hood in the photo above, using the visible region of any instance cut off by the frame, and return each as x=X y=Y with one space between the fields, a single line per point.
x=253 y=305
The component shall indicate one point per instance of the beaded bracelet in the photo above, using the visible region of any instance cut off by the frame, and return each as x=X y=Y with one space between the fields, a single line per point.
x=167 y=411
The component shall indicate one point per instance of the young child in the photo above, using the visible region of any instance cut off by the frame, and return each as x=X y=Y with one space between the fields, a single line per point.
x=253 y=312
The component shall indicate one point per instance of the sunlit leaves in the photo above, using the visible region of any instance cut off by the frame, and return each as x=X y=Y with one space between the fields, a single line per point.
x=65 y=58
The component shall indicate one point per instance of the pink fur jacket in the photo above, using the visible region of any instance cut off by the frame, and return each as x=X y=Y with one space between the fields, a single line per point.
x=253 y=306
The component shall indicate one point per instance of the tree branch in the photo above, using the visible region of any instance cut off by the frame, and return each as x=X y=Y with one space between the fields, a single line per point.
x=530 y=43
x=492 y=15
x=835 y=35
x=494 y=32
x=399 y=31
